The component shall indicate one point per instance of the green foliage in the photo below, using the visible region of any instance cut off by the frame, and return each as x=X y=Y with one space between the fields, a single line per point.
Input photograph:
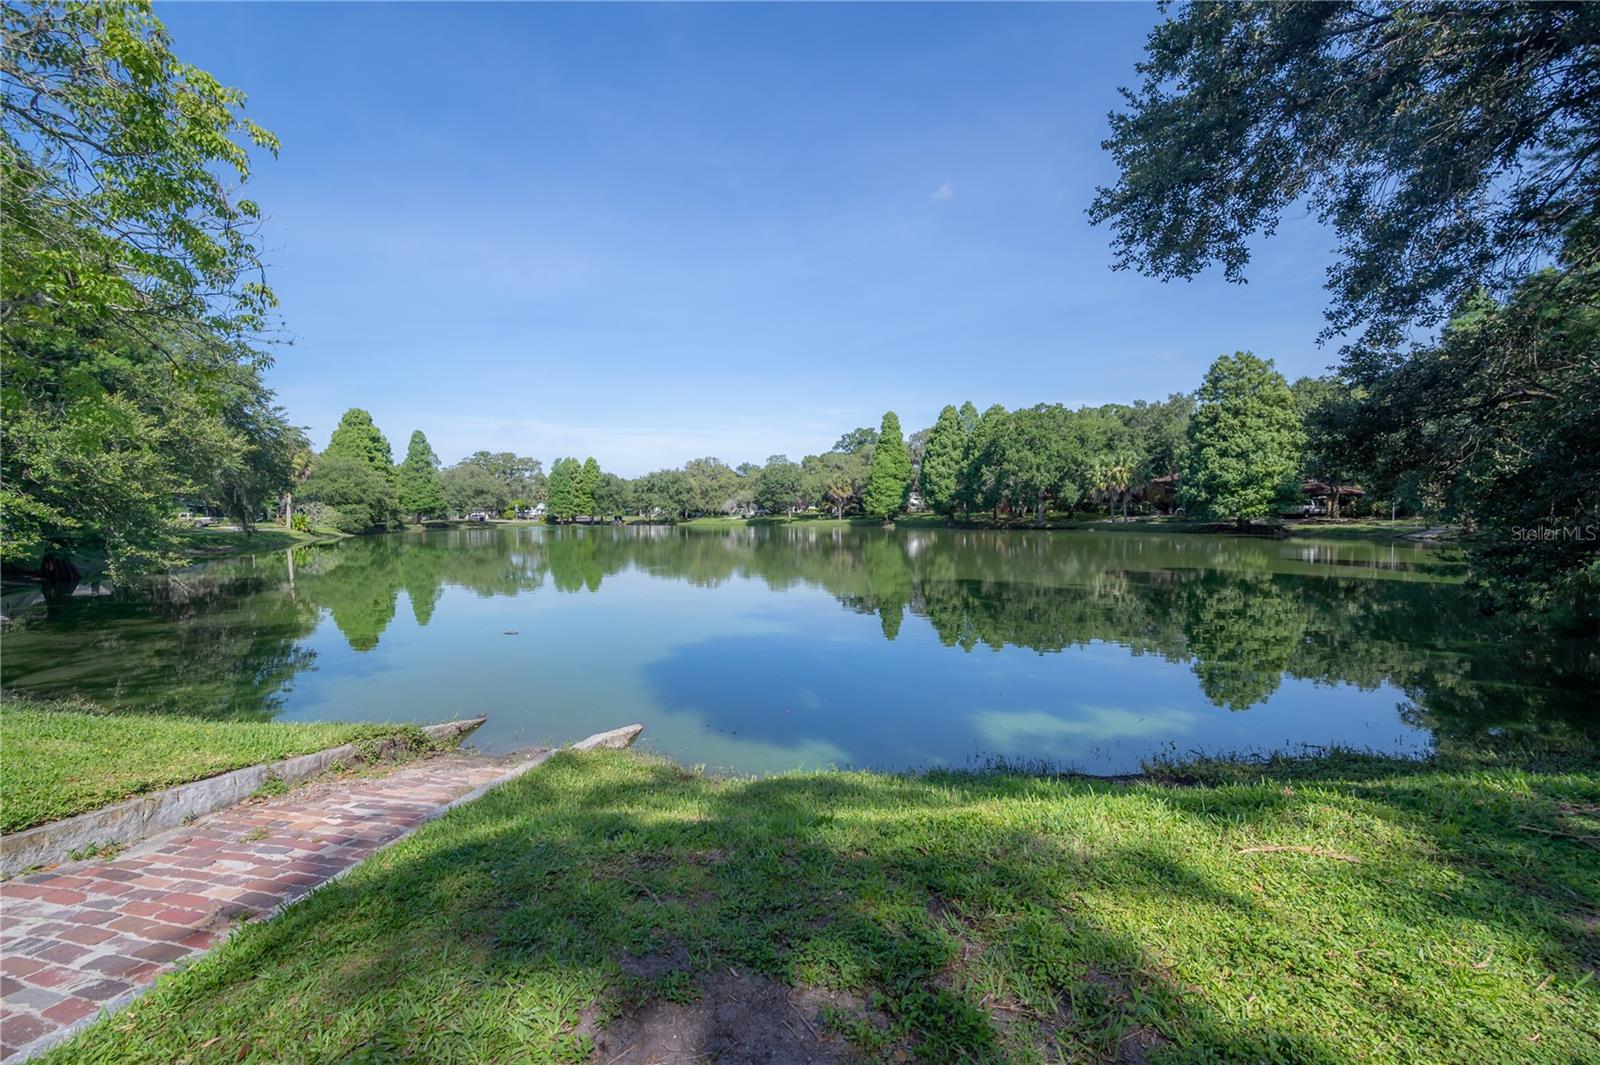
x=857 y=441
x=563 y=500
x=663 y=493
x=129 y=290
x=356 y=437
x=493 y=482
x=417 y=480
x=835 y=479
x=941 y=463
x=614 y=496
x=468 y=487
x=1158 y=433
x=585 y=485
x=363 y=500
x=1032 y=451
x=118 y=161
x=889 y=479
x=1329 y=413
x=780 y=485
x=1446 y=151
x=1496 y=424
x=1244 y=441
x=708 y=483
x=981 y=461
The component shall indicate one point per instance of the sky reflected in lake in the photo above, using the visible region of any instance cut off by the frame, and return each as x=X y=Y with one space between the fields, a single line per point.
x=757 y=650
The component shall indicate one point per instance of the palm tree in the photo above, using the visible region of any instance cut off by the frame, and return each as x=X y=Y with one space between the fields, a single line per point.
x=1111 y=477
x=1099 y=480
x=1120 y=474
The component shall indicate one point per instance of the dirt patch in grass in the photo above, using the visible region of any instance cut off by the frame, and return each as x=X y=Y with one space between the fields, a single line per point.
x=735 y=1018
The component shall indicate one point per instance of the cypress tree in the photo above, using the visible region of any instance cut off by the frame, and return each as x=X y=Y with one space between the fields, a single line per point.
x=890 y=477
x=1244 y=440
x=559 y=491
x=418 y=479
x=587 y=482
x=981 y=460
x=358 y=438
x=941 y=463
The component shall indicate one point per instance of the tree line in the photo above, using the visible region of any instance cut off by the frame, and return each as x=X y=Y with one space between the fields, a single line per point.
x=1238 y=448
x=1456 y=160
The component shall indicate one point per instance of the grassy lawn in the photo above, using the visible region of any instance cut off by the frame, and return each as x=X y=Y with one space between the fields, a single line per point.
x=218 y=543
x=65 y=758
x=203 y=544
x=1334 y=911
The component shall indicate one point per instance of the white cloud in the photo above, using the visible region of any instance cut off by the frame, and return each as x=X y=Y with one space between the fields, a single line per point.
x=943 y=192
x=1022 y=731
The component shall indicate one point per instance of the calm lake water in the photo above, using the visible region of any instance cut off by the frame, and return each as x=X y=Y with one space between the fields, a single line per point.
x=771 y=648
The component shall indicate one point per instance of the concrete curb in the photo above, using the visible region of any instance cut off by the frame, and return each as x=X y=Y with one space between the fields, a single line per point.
x=135 y=819
x=615 y=738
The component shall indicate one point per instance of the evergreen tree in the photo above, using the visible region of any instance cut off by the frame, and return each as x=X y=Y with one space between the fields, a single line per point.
x=941 y=463
x=982 y=460
x=968 y=416
x=561 y=500
x=418 y=479
x=586 y=483
x=366 y=503
x=890 y=477
x=358 y=438
x=1245 y=440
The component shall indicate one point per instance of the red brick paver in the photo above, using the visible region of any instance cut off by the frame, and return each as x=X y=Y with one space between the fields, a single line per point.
x=90 y=934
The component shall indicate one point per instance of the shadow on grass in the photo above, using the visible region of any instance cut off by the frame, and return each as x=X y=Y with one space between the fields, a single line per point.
x=977 y=918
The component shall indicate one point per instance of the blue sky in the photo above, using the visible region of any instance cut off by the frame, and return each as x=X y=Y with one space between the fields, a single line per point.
x=649 y=233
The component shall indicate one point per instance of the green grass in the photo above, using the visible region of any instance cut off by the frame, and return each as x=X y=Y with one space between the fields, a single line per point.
x=1432 y=914
x=63 y=758
x=219 y=543
x=200 y=545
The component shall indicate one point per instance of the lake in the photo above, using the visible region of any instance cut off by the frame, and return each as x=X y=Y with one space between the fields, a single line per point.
x=761 y=649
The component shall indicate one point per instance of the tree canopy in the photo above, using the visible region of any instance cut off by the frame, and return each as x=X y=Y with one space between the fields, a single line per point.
x=890 y=476
x=1455 y=151
x=356 y=437
x=131 y=294
x=361 y=498
x=941 y=463
x=417 y=480
x=780 y=485
x=1450 y=148
x=1244 y=440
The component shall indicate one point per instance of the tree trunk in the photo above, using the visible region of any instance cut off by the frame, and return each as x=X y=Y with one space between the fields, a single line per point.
x=58 y=569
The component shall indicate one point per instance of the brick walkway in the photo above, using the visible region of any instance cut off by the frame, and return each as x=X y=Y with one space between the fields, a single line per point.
x=92 y=935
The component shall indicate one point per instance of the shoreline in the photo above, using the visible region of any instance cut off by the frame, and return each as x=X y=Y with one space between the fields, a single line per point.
x=202 y=545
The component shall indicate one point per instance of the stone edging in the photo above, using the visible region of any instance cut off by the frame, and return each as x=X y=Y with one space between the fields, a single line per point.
x=615 y=738
x=132 y=820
